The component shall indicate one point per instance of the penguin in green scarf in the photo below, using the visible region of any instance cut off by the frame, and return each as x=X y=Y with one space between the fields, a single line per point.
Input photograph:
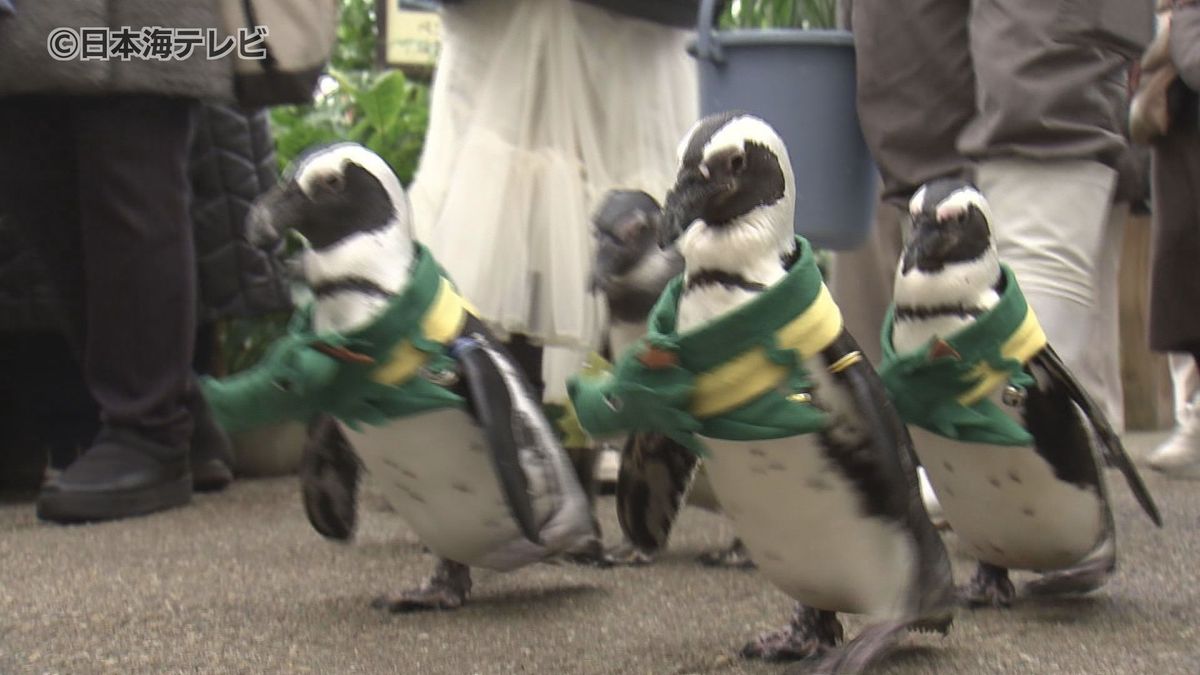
x=747 y=363
x=631 y=269
x=1004 y=431
x=396 y=372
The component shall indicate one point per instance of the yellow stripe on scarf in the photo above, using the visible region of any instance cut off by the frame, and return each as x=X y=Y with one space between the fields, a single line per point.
x=751 y=374
x=1026 y=341
x=442 y=323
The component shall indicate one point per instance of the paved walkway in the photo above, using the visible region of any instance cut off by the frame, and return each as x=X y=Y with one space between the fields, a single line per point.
x=239 y=583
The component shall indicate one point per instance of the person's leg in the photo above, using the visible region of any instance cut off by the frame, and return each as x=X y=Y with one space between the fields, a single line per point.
x=916 y=90
x=139 y=308
x=1047 y=135
x=1106 y=322
x=39 y=194
x=1050 y=220
x=1185 y=381
x=39 y=206
x=861 y=280
x=528 y=356
x=138 y=262
x=1179 y=455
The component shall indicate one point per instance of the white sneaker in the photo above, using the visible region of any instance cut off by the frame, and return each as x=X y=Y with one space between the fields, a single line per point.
x=932 y=506
x=1179 y=455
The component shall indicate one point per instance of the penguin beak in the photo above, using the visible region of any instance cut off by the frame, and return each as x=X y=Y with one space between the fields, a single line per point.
x=686 y=203
x=273 y=215
x=927 y=246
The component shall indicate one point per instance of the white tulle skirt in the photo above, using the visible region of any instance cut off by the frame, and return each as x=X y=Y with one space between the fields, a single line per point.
x=538 y=108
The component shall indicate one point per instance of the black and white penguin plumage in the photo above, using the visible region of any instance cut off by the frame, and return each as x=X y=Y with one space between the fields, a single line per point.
x=630 y=271
x=1044 y=507
x=486 y=484
x=631 y=268
x=832 y=518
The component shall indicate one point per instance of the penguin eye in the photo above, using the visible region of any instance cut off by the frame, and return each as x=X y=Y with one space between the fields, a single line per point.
x=334 y=182
x=737 y=163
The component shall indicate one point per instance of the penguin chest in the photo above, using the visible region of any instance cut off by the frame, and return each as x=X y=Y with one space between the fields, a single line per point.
x=1007 y=506
x=622 y=335
x=805 y=525
x=436 y=470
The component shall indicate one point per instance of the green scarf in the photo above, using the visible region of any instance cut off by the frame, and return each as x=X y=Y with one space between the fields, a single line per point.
x=367 y=376
x=944 y=385
x=740 y=377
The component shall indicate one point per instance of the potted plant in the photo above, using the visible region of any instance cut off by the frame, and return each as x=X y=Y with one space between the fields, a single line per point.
x=785 y=61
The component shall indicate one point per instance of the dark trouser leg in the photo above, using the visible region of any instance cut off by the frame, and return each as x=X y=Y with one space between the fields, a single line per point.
x=39 y=206
x=529 y=358
x=99 y=188
x=102 y=196
x=39 y=194
x=138 y=261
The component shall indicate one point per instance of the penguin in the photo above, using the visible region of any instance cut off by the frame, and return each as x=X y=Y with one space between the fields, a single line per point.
x=1019 y=473
x=804 y=450
x=630 y=271
x=418 y=394
x=631 y=268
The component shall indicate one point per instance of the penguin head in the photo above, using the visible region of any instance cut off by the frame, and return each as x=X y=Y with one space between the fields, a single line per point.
x=329 y=194
x=950 y=224
x=626 y=227
x=734 y=195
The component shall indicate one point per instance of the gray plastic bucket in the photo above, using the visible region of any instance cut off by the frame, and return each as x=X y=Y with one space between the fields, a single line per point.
x=802 y=83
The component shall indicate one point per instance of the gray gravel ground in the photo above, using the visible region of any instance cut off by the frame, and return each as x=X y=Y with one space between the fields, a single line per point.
x=239 y=583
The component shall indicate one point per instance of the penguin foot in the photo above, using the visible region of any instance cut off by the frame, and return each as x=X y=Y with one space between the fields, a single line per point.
x=735 y=556
x=811 y=633
x=1084 y=578
x=594 y=555
x=939 y=624
x=990 y=587
x=627 y=555
x=330 y=473
x=448 y=588
x=871 y=644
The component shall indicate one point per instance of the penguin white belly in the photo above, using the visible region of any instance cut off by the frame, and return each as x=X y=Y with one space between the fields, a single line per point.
x=804 y=524
x=436 y=471
x=622 y=335
x=1006 y=505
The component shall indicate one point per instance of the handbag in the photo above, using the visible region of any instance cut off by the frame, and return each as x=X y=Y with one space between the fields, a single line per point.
x=298 y=41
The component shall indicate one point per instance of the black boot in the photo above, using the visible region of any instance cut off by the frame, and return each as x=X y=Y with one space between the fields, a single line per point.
x=123 y=474
x=212 y=451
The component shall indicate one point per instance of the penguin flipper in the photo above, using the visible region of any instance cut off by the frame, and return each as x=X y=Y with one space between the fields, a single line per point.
x=490 y=393
x=1110 y=443
x=330 y=472
x=653 y=479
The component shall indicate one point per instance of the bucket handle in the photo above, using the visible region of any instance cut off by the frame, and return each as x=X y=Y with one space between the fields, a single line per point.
x=708 y=46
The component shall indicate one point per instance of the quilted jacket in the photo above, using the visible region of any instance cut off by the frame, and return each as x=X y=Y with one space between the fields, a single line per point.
x=232 y=163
